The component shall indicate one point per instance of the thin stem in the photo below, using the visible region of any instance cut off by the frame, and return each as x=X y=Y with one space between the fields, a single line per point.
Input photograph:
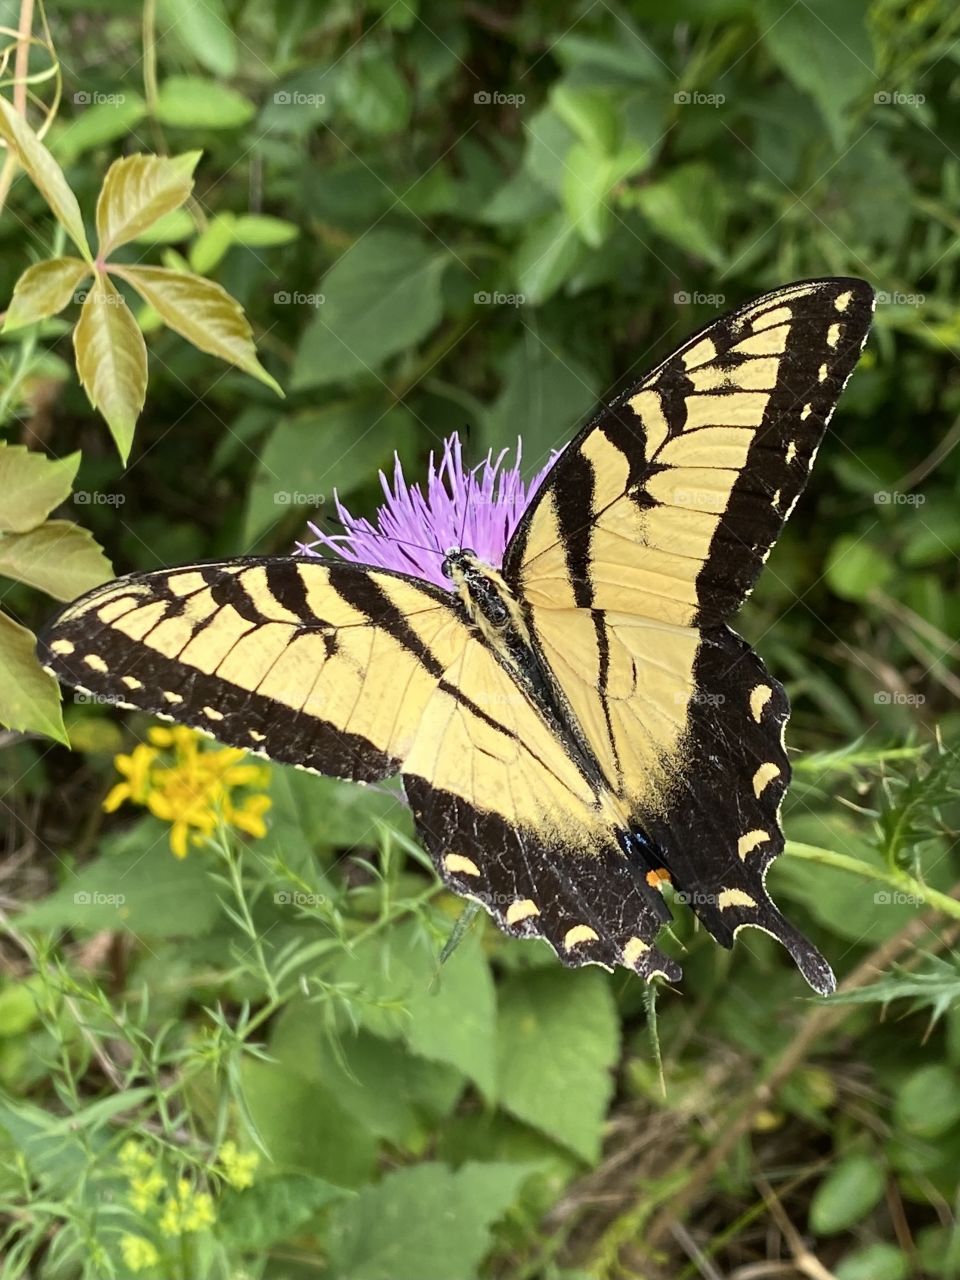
x=901 y=880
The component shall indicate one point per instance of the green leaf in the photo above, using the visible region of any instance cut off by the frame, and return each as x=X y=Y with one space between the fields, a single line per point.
x=203 y=28
x=558 y=1040
x=927 y=1104
x=309 y=811
x=213 y=242
x=546 y=390
x=546 y=257
x=137 y=191
x=188 y=102
x=29 y=698
x=591 y=115
x=628 y=58
x=825 y=49
x=878 y=1261
x=273 y=1209
x=203 y=313
x=309 y=455
x=96 y=125
x=425 y=1221
x=259 y=231
x=856 y=569
x=688 y=208
x=43 y=290
x=58 y=557
x=45 y=174
x=172 y=228
x=382 y=296
x=373 y=93
x=846 y=1195
x=32 y=485
x=111 y=360
x=304 y=1127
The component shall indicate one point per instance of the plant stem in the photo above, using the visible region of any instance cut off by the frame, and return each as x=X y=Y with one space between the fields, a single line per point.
x=901 y=880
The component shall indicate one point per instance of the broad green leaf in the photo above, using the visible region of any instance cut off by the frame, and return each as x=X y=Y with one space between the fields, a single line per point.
x=136 y=884
x=31 y=485
x=58 y=557
x=29 y=698
x=111 y=360
x=425 y=1222
x=846 y=1195
x=259 y=231
x=212 y=243
x=544 y=388
x=170 y=229
x=856 y=568
x=310 y=811
x=304 y=1127
x=589 y=180
x=688 y=208
x=307 y=456
x=137 y=191
x=591 y=115
x=203 y=313
x=189 y=102
x=373 y=93
x=382 y=296
x=43 y=290
x=928 y=1102
x=628 y=58
x=203 y=28
x=273 y=1209
x=877 y=1261
x=558 y=1040
x=548 y=140
x=546 y=257
x=825 y=49
x=45 y=174
x=96 y=125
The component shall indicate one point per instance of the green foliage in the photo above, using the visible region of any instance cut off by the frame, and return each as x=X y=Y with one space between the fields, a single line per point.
x=436 y=216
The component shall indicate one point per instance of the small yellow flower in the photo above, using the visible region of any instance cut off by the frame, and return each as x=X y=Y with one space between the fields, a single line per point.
x=145 y=1191
x=187 y=1210
x=238 y=1167
x=191 y=786
x=138 y=1253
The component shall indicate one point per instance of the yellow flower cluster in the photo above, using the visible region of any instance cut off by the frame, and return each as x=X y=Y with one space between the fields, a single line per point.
x=238 y=1166
x=190 y=785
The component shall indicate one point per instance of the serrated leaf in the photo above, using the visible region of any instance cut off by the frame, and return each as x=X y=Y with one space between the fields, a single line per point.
x=273 y=1209
x=45 y=174
x=558 y=1040
x=137 y=191
x=203 y=313
x=29 y=698
x=43 y=290
x=58 y=557
x=189 y=102
x=426 y=1221
x=382 y=296
x=32 y=485
x=111 y=360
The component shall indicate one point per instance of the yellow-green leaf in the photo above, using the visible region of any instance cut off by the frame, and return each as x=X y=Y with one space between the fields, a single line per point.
x=44 y=173
x=139 y=190
x=31 y=485
x=59 y=558
x=203 y=313
x=29 y=699
x=43 y=290
x=111 y=360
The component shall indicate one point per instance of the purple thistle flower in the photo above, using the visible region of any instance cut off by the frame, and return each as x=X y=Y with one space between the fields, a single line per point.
x=478 y=509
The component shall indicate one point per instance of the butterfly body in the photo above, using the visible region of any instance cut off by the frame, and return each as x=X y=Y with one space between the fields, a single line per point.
x=576 y=724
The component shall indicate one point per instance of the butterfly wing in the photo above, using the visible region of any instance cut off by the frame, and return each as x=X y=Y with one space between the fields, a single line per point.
x=358 y=674
x=648 y=533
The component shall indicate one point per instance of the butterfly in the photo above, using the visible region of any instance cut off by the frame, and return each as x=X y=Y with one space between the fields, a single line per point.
x=577 y=725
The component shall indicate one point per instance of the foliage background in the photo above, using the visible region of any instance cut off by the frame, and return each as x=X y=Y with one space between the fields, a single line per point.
x=441 y=214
